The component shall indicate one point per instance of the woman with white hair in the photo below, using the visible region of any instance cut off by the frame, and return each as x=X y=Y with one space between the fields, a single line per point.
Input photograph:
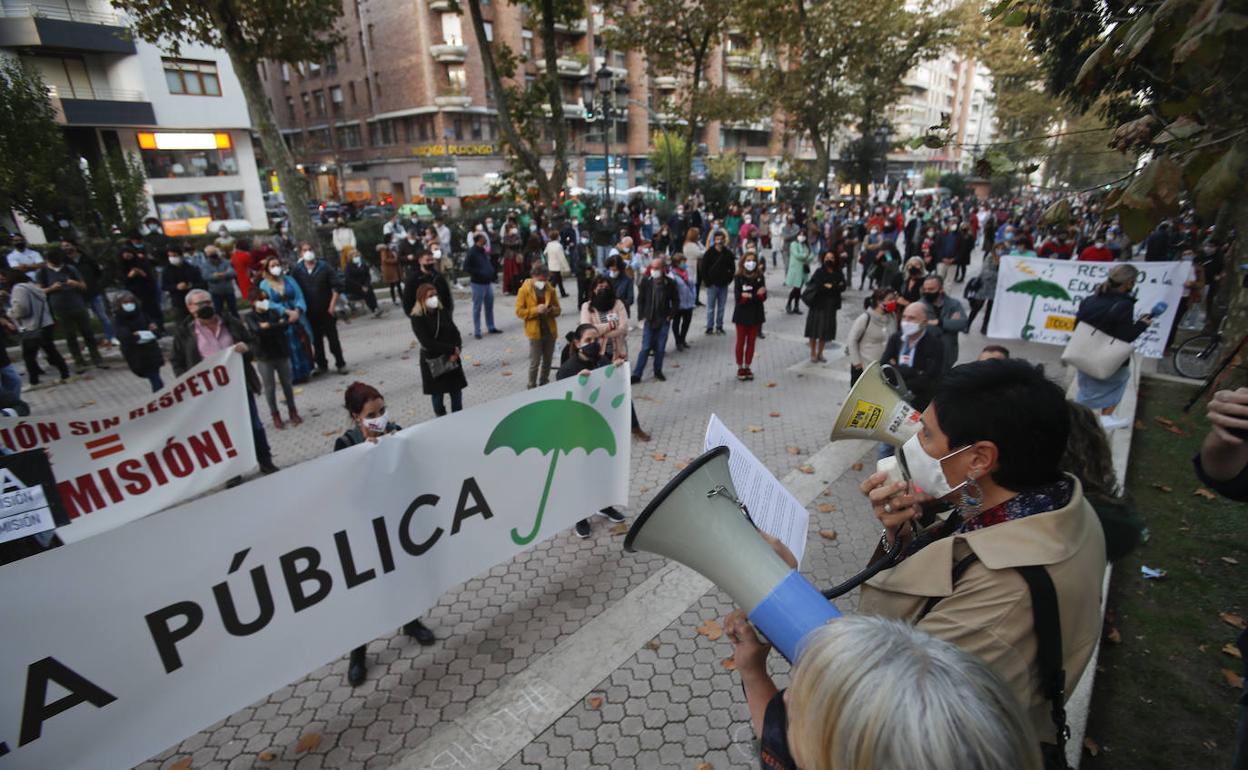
x=875 y=694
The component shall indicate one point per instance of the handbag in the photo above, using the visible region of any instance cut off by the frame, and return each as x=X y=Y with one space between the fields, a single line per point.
x=1094 y=352
x=441 y=365
x=973 y=287
x=809 y=294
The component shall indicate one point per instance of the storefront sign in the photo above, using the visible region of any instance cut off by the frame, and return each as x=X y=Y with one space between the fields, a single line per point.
x=438 y=150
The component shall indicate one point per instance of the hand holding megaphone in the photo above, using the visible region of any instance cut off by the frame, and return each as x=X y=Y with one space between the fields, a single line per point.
x=895 y=505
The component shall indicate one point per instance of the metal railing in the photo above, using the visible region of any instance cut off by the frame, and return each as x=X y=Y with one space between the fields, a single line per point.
x=97 y=94
x=61 y=11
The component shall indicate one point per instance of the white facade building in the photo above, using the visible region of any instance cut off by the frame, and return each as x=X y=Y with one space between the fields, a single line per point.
x=184 y=116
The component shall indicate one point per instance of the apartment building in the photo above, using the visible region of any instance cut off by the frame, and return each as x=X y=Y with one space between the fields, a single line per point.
x=184 y=116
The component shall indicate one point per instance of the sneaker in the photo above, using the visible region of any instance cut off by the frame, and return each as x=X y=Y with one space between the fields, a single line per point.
x=1112 y=422
x=268 y=469
x=342 y=369
x=741 y=373
x=582 y=528
x=612 y=515
x=749 y=375
x=496 y=331
x=711 y=331
x=420 y=632
x=659 y=376
x=640 y=434
x=356 y=669
x=761 y=336
x=636 y=378
x=719 y=330
x=477 y=335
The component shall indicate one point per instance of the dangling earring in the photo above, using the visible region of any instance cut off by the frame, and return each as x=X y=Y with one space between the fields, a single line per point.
x=972 y=499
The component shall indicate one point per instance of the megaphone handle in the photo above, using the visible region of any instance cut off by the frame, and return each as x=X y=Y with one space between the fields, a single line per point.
x=874 y=568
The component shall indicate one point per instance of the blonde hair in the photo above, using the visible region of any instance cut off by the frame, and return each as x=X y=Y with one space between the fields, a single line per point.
x=871 y=693
x=422 y=291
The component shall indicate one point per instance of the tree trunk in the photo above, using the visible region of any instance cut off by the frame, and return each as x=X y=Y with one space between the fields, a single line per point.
x=559 y=174
x=1234 y=295
x=691 y=128
x=294 y=184
x=823 y=163
x=529 y=159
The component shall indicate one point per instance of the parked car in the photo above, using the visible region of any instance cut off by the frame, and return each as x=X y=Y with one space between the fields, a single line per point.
x=373 y=212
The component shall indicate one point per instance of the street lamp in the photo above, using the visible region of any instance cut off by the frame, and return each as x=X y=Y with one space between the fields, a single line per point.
x=609 y=95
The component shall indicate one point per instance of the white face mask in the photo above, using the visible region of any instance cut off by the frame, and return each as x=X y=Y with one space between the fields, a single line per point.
x=437 y=253
x=1100 y=244
x=357 y=260
x=801 y=239
x=926 y=472
x=262 y=305
x=129 y=307
x=175 y=261
x=910 y=328
x=613 y=273
x=376 y=424
x=432 y=303
x=275 y=270
x=750 y=265
x=309 y=256
x=539 y=285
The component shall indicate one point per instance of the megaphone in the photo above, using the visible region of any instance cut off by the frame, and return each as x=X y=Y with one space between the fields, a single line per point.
x=698 y=520
x=875 y=408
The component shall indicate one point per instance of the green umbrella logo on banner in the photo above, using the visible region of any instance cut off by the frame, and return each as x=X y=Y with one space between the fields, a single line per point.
x=1036 y=287
x=553 y=426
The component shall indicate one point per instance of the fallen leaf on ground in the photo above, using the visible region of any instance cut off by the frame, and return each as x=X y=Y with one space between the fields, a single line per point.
x=806 y=468
x=754 y=428
x=1163 y=488
x=704 y=766
x=644 y=490
x=711 y=629
x=660 y=456
x=826 y=507
x=681 y=466
x=619 y=529
x=505 y=374
x=793 y=450
x=266 y=756
x=1165 y=422
x=182 y=764
x=827 y=534
x=1176 y=430
x=506 y=350
x=1210 y=744
x=774 y=414
x=594 y=702
x=329 y=433
x=653 y=644
x=856 y=467
x=1233 y=679
x=1092 y=746
x=405 y=358
x=1229 y=559
x=729 y=663
x=771 y=384
x=1205 y=493
x=85 y=404
x=1113 y=636
x=1139 y=425
x=1233 y=651
x=307 y=742
x=1232 y=619
x=476 y=363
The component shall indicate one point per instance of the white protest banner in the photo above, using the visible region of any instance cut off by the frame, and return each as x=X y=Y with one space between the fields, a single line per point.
x=115 y=466
x=120 y=645
x=1037 y=299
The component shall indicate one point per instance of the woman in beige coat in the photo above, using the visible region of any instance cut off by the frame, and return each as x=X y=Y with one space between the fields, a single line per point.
x=988 y=452
x=391 y=271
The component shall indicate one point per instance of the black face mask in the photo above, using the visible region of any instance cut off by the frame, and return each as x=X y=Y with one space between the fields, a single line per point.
x=204 y=312
x=931 y=297
x=916 y=271
x=591 y=350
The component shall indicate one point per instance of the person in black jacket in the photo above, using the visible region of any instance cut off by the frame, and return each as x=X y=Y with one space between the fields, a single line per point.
x=827 y=283
x=178 y=278
x=139 y=278
x=439 y=338
x=715 y=272
x=481 y=274
x=226 y=331
x=917 y=352
x=367 y=408
x=1111 y=310
x=270 y=328
x=321 y=285
x=358 y=280
x=137 y=335
x=93 y=276
x=424 y=272
x=749 y=292
x=658 y=302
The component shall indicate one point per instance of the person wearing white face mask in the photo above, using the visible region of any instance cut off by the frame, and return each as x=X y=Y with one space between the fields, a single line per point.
x=321 y=286
x=917 y=353
x=367 y=408
x=537 y=304
x=1013 y=573
x=358 y=279
x=269 y=326
x=795 y=276
x=749 y=291
x=137 y=335
x=441 y=370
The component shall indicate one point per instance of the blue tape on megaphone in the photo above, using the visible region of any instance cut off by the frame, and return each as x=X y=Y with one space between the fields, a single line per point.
x=793 y=609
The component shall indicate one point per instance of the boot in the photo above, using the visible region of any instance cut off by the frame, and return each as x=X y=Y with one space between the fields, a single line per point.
x=356 y=669
x=277 y=420
x=295 y=419
x=420 y=632
x=640 y=434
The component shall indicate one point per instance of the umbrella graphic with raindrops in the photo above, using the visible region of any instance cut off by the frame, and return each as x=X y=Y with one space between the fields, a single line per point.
x=1036 y=287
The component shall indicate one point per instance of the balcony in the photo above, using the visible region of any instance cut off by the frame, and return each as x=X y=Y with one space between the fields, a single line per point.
x=578 y=27
x=449 y=53
x=741 y=61
x=567 y=66
x=442 y=6
x=665 y=83
x=570 y=111
x=36 y=25
x=452 y=99
x=618 y=72
x=102 y=107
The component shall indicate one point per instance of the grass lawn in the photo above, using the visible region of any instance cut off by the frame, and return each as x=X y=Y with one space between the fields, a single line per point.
x=1161 y=698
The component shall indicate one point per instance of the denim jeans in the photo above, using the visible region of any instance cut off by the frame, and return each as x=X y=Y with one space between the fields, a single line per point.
x=439 y=402
x=716 y=301
x=10 y=384
x=97 y=307
x=653 y=339
x=600 y=257
x=223 y=301
x=482 y=296
x=264 y=455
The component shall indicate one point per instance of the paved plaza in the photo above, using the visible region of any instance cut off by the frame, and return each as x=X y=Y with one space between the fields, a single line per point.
x=574 y=654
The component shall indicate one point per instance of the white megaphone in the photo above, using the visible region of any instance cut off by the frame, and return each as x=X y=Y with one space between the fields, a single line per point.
x=698 y=521
x=875 y=409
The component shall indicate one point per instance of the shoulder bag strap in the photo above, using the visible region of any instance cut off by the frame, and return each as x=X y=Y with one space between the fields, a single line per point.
x=1048 y=627
x=959 y=569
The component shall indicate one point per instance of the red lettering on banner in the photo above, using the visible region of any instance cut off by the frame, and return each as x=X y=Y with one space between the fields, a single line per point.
x=219 y=427
x=131 y=471
x=80 y=495
x=221 y=374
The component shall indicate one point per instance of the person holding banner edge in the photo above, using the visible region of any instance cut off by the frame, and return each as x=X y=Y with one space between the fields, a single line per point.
x=367 y=408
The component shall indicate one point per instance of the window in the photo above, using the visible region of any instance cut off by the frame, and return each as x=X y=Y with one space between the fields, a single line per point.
x=264 y=70
x=377 y=82
x=307 y=104
x=331 y=64
x=457 y=128
x=189 y=214
x=351 y=89
x=314 y=69
x=381 y=133
x=349 y=137
x=418 y=128
x=335 y=99
x=456 y=78
x=290 y=108
x=346 y=50
x=452 y=33
x=526 y=43
x=318 y=98
x=318 y=139
x=285 y=72
x=489 y=31
x=476 y=129
x=214 y=157
x=192 y=78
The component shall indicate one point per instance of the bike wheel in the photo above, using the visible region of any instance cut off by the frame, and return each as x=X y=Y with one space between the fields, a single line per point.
x=1196 y=357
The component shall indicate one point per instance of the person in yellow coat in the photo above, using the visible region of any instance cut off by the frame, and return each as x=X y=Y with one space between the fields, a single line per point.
x=537 y=304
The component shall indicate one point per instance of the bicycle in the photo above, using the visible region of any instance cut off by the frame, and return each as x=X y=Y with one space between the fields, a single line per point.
x=1198 y=356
